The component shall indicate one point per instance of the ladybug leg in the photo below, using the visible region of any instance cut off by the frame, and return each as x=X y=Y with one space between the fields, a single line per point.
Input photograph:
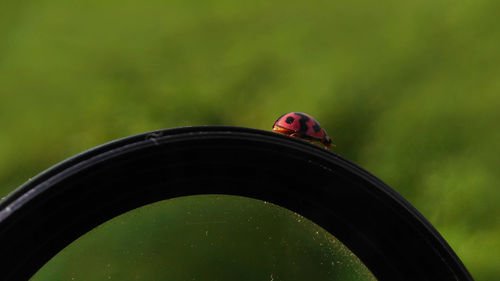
x=295 y=135
x=327 y=143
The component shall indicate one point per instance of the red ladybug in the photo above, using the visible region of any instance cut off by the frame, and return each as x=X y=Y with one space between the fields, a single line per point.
x=304 y=126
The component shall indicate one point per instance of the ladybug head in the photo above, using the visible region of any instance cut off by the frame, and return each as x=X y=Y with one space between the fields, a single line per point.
x=327 y=141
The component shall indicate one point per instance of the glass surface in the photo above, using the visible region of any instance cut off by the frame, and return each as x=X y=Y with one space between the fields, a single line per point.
x=206 y=237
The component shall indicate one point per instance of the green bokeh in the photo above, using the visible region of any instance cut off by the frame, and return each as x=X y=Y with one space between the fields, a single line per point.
x=410 y=91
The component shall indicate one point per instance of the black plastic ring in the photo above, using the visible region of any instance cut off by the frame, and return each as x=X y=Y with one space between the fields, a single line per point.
x=389 y=235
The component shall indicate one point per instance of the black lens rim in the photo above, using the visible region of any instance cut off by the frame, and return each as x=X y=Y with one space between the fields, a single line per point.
x=389 y=235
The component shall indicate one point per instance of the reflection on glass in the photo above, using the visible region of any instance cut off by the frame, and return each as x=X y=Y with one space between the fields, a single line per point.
x=206 y=237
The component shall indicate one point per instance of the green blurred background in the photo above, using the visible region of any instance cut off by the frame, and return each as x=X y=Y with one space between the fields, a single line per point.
x=409 y=91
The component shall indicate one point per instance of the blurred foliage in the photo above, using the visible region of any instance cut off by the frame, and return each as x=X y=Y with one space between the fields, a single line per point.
x=409 y=91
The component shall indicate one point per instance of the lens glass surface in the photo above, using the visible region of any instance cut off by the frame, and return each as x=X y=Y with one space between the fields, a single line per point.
x=206 y=237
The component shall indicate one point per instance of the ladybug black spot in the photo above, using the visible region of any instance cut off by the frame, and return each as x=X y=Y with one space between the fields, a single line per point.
x=289 y=120
x=302 y=121
x=316 y=127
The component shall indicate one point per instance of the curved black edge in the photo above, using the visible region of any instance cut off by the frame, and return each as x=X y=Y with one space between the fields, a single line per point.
x=53 y=209
x=87 y=154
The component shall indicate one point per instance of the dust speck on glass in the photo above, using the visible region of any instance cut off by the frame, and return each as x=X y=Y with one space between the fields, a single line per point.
x=206 y=237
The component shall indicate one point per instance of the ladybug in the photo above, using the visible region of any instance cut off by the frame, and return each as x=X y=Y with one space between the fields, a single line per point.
x=304 y=126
